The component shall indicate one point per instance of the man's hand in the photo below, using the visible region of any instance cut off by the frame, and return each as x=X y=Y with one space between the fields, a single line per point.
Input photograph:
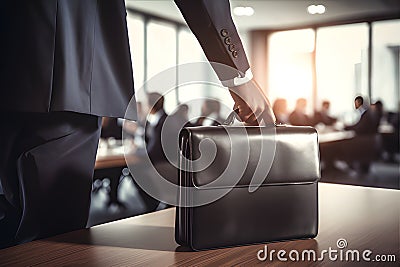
x=252 y=104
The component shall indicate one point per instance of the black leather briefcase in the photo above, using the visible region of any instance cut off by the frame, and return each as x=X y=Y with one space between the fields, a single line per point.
x=283 y=207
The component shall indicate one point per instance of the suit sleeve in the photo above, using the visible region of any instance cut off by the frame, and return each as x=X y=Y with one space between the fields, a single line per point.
x=212 y=24
x=366 y=124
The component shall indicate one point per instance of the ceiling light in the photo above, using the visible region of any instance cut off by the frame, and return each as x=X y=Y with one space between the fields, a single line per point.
x=316 y=9
x=243 y=11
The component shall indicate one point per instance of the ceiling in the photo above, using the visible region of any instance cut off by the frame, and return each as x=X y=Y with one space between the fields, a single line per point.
x=275 y=14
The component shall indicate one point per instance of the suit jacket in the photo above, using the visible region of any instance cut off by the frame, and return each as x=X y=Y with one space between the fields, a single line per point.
x=299 y=119
x=366 y=125
x=211 y=22
x=320 y=117
x=73 y=55
x=65 y=55
x=153 y=139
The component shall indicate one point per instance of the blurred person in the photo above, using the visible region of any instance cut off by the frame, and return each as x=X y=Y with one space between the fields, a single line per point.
x=280 y=110
x=181 y=115
x=64 y=65
x=377 y=113
x=158 y=126
x=389 y=132
x=299 y=117
x=210 y=113
x=323 y=116
x=361 y=150
x=367 y=122
x=393 y=143
x=154 y=124
x=393 y=118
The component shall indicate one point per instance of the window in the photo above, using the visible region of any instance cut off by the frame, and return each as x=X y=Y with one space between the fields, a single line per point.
x=161 y=55
x=385 y=63
x=190 y=52
x=290 y=66
x=342 y=66
x=158 y=45
x=136 y=40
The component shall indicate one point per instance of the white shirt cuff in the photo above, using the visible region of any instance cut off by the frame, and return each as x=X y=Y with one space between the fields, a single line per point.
x=238 y=80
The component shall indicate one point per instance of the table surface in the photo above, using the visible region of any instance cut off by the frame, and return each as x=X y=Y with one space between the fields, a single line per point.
x=114 y=157
x=368 y=218
x=333 y=136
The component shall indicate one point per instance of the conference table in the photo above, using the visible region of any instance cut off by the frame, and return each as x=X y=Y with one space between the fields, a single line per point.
x=350 y=218
x=110 y=160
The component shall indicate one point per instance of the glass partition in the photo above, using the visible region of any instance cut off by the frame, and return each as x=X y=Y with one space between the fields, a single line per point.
x=290 y=66
x=342 y=66
x=385 y=63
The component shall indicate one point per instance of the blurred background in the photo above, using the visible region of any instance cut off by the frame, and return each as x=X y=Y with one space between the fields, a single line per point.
x=351 y=49
x=312 y=58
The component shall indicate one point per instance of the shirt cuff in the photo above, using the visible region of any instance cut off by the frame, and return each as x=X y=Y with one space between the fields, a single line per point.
x=238 y=80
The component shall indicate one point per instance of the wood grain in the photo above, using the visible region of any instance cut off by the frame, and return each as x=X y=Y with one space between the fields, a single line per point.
x=111 y=161
x=367 y=218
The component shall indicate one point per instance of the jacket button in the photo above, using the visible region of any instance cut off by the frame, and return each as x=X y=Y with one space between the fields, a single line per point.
x=224 y=32
x=228 y=40
x=235 y=54
x=231 y=47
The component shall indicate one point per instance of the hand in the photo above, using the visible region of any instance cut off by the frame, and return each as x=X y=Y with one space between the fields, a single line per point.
x=252 y=104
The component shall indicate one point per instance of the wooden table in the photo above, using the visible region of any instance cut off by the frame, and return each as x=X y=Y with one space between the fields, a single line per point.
x=334 y=136
x=114 y=157
x=368 y=218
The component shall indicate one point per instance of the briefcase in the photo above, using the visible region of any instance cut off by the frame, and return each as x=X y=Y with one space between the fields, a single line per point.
x=234 y=210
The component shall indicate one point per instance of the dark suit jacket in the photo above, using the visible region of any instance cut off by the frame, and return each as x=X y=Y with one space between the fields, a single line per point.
x=211 y=22
x=65 y=55
x=153 y=140
x=73 y=55
x=366 y=124
x=299 y=119
x=320 y=117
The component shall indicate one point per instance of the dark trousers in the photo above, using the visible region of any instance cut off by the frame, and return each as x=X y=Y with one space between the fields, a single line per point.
x=46 y=169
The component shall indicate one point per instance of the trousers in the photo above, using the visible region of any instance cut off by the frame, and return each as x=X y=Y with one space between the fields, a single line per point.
x=46 y=169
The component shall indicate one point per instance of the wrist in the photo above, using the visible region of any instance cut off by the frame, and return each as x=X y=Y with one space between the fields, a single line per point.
x=238 y=81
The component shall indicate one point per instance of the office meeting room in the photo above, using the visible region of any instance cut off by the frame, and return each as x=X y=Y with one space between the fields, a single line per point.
x=200 y=133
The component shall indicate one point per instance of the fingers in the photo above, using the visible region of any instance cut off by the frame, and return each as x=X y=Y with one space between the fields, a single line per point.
x=245 y=113
x=250 y=116
x=252 y=120
x=252 y=104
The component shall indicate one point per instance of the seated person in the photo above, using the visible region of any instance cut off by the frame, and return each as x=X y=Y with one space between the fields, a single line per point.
x=322 y=116
x=390 y=140
x=182 y=117
x=377 y=112
x=299 y=117
x=280 y=111
x=367 y=123
x=210 y=114
x=154 y=124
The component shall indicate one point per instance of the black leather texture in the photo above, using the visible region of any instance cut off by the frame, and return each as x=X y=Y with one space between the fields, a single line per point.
x=283 y=207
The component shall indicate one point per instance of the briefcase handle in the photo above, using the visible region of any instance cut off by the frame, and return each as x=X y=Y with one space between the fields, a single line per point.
x=234 y=115
x=231 y=118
